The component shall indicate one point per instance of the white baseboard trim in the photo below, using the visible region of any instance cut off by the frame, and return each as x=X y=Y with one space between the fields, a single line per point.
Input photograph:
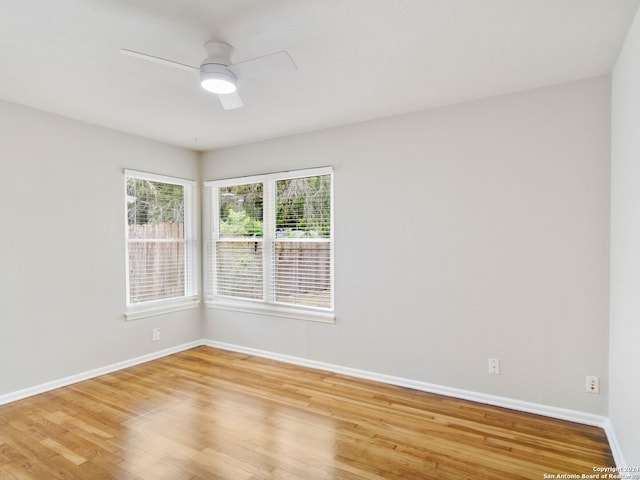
x=513 y=404
x=615 y=445
x=79 y=377
x=519 y=405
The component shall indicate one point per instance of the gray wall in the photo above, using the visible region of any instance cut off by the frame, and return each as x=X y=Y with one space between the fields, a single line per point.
x=62 y=268
x=625 y=248
x=462 y=233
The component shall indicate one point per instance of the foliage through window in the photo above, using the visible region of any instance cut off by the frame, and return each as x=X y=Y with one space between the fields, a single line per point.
x=270 y=240
x=161 y=239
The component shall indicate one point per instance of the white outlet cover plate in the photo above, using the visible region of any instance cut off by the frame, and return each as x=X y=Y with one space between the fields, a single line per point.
x=593 y=384
x=494 y=366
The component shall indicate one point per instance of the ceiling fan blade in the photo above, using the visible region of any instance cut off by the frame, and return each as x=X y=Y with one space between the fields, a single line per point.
x=279 y=62
x=162 y=61
x=230 y=101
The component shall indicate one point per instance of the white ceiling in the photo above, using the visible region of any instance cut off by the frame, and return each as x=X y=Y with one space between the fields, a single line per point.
x=357 y=59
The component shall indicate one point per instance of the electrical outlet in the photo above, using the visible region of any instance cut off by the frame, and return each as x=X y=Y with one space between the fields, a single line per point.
x=494 y=366
x=155 y=334
x=593 y=384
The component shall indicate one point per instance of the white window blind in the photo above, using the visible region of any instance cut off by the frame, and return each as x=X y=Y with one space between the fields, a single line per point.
x=302 y=244
x=238 y=247
x=161 y=238
x=270 y=240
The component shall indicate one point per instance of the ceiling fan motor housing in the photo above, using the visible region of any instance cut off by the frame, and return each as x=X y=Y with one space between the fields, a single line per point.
x=214 y=75
x=218 y=52
x=217 y=78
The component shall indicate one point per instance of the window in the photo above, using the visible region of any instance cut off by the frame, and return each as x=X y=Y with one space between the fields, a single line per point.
x=161 y=238
x=270 y=244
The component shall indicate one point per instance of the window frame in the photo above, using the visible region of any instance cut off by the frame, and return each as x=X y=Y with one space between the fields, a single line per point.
x=191 y=228
x=211 y=226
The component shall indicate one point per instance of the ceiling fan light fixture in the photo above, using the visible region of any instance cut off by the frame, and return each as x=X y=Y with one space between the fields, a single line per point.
x=218 y=79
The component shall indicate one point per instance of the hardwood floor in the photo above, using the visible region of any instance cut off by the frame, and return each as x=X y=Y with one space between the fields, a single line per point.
x=211 y=414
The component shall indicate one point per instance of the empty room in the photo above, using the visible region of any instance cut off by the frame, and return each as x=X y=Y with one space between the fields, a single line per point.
x=341 y=239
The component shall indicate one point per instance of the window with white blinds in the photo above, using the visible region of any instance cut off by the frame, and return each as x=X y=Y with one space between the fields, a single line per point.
x=161 y=238
x=270 y=243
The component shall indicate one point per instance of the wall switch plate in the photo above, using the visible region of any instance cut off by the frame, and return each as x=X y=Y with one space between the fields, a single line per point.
x=593 y=384
x=155 y=334
x=494 y=366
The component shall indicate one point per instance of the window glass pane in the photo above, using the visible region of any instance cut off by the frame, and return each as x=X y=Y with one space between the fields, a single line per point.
x=303 y=207
x=154 y=209
x=239 y=269
x=156 y=246
x=156 y=270
x=303 y=273
x=302 y=248
x=241 y=211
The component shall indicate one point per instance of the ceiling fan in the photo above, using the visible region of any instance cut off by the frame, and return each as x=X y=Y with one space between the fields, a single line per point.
x=218 y=75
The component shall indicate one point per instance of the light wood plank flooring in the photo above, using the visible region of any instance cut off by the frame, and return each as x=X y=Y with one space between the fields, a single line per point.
x=211 y=414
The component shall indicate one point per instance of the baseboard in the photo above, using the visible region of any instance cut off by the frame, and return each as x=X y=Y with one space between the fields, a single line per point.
x=79 y=377
x=615 y=445
x=529 y=407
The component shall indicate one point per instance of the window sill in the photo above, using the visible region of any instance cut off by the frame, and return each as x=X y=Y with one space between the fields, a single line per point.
x=274 y=310
x=143 y=311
